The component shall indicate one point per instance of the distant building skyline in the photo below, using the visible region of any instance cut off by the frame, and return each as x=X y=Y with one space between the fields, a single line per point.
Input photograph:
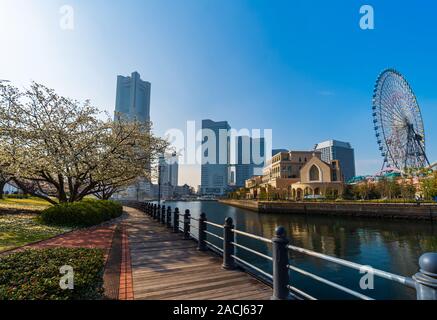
x=133 y=98
x=341 y=151
x=267 y=64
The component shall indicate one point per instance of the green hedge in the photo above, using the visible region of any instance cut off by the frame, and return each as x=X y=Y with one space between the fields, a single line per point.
x=35 y=274
x=81 y=214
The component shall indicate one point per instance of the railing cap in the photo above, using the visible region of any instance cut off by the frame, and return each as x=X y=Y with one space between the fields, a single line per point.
x=280 y=232
x=229 y=221
x=428 y=264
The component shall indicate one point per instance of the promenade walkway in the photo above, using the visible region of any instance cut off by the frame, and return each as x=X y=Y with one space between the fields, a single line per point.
x=166 y=267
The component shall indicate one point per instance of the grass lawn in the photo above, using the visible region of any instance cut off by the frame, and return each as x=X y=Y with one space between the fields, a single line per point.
x=18 y=230
x=30 y=203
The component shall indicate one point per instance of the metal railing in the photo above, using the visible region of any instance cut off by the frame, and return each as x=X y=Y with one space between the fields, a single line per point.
x=424 y=282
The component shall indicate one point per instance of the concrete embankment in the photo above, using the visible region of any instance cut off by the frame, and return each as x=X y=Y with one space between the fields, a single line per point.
x=410 y=211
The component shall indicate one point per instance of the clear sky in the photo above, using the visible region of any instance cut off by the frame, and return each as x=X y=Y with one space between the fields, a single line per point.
x=301 y=68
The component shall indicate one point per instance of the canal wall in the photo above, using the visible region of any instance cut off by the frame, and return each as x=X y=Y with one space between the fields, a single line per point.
x=410 y=211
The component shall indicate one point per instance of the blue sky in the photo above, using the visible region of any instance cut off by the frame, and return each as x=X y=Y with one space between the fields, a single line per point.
x=301 y=68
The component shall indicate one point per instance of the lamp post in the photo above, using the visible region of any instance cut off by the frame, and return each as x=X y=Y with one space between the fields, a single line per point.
x=159 y=181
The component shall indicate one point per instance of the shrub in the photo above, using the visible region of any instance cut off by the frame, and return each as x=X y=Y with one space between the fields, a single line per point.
x=35 y=274
x=81 y=214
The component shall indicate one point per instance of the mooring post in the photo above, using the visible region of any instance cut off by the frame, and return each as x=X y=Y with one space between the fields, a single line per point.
x=228 y=248
x=168 y=220
x=163 y=215
x=176 y=220
x=187 y=224
x=202 y=235
x=280 y=265
x=426 y=278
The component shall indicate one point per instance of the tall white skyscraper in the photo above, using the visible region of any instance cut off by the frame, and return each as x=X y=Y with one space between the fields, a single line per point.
x=133 y=98
x=132 y=103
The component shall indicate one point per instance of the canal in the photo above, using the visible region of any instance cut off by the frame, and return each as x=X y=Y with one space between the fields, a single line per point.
x=390 y=245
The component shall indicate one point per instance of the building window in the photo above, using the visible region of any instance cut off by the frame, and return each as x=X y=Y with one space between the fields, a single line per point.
x=314 y=173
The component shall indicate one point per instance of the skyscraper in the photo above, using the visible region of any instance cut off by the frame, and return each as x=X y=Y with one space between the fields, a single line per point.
x=250 y=158
x=338 y=150
x=132 y=102
x=215 y=170
x=133 y=98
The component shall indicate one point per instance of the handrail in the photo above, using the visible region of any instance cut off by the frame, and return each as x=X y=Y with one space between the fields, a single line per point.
x=214 y=246
x=253 y=251
x=251 y=236
x=213 y=234
x=214 y=224
x=304 y=294
x=424 y=282
x=252 y=266
x=329 y=283
x=383 y=274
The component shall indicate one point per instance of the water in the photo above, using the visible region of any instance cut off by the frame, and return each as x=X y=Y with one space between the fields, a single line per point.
x=389 y=245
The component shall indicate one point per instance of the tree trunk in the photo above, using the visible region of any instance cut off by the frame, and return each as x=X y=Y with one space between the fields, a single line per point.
x=2 y=186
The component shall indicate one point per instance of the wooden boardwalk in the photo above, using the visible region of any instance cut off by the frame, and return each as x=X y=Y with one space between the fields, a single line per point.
x=166 y=267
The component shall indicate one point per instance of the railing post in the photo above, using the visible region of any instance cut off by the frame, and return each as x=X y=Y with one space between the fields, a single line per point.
x=280 y=263
x=187 y=224
x=202 y=235
x=168 y=217
x=426 y=278
x=158 y=213
x=155 y=207
x=228 y=248
x=176 y=220
x=163 y=215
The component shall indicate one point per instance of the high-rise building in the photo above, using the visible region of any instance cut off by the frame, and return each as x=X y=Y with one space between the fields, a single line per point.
x=341 y=151
x=215 y=169
x=133 y=98
x=132 y=103
x=250 y=158
x=169 y=168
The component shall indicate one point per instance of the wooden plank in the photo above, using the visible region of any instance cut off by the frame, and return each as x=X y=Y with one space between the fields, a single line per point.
x=245 y=288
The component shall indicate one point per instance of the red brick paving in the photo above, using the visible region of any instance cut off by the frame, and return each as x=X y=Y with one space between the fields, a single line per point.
x=126 y=285
x=96 y=237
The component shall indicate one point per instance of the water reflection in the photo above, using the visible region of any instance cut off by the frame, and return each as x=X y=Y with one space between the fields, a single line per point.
x=390 y=245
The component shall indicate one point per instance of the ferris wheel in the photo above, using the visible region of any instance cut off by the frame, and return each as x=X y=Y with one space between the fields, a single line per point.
x=398 y=123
